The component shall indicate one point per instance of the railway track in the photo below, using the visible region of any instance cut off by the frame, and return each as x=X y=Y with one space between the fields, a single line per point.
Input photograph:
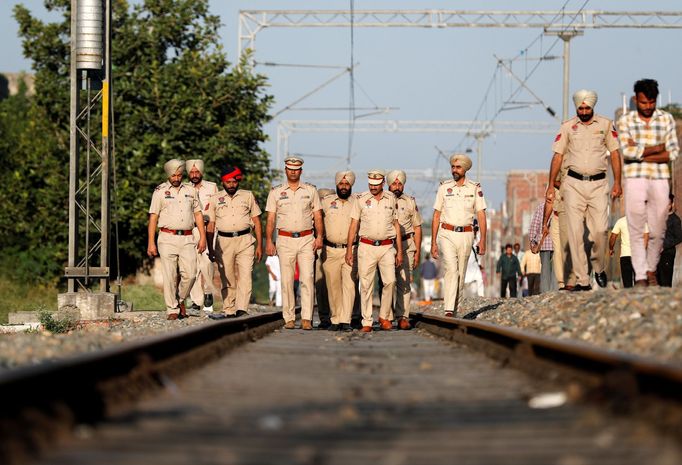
x=320 y=397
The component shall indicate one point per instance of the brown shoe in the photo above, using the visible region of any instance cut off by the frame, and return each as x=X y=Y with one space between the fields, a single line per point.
x=172 y=316
x=641 y=283
x=651 y=278
x=386 y=325
x=183 y=311
x=366 y=329
x=403 y=323
x=290 y=325
x=306 y=325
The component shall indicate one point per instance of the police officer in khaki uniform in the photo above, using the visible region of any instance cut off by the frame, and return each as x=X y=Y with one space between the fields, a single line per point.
x=376 y=215
x=294 y=208
x=458 y=202
x=321 y=293
x=410 y=221
x=341 y=285
x=234 y=212
x=201 y=293
x=175 y=210
x=582 y=146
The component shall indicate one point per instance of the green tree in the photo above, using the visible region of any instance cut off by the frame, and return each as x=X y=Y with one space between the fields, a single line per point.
x=175 y=96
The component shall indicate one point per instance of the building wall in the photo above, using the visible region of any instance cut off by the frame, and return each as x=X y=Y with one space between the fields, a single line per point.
x=525 y=189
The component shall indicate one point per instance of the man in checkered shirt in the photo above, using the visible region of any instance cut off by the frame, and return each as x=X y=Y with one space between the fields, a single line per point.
x=649 y=143
x=542 y=243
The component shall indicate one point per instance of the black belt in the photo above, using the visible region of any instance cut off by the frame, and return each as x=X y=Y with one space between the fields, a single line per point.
x=333 y=245
x=630 y=162
x=407 y=236
x=234 y=233
x=582 y=177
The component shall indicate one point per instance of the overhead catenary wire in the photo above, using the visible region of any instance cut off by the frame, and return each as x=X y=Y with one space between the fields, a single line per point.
x=351 y=93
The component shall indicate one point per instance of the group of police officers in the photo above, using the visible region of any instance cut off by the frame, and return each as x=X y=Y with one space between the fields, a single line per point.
x=350 y=235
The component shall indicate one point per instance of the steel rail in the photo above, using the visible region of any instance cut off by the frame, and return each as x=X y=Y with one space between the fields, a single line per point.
x=43 y=401
x=621 y=381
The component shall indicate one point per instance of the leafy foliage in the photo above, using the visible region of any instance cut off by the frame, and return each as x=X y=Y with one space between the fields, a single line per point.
x=175 y=96
x=675 y=109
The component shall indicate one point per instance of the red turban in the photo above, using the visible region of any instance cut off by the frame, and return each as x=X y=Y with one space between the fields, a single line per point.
x=231 y=172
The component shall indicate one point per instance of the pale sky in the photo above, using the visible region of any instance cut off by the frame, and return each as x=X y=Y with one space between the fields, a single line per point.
x=433 y=74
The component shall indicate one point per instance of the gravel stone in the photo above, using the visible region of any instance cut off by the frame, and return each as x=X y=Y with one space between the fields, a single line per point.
x=36 y=346
x=645 y=322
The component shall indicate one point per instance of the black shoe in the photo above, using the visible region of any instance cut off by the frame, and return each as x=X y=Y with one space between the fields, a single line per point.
x=331 y=327
x=241 y=313
x=601 y=278
x=345 y=327
x=208 y=300
x=356 y=324
x=579 y=288
x=324 y=324
x=219 y=316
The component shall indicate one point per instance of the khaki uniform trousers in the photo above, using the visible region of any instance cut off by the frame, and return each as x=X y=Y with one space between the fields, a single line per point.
x=588 y=201
x=291 y=250
x=369 y=257
x=561 y=258
x=340 y=284
x=454 y=248
x=403 y=280
x=321 y=293
x=205 y=270
x=235 y=265
x=177 y=252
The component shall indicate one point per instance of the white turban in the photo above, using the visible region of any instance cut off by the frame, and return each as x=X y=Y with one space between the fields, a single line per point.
x=348 y=175
x=588 y=97
x=464 y=160
x=173 y=166
x=396 y=174
x=199 y=164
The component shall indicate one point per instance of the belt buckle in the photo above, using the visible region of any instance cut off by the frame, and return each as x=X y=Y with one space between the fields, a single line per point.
x=296 y=234
x=234 y=233
x=377 y=242
x=459 y=228
x=586 y=178
x=179 y=232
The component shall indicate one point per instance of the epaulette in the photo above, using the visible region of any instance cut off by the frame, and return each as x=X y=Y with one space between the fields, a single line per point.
x=309 y=184
x=160 y=186
x=330 y=194
x=277 y=186
x=445 y=181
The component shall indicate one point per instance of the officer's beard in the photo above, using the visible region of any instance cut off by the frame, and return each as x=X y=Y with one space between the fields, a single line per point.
x=231 y=190
x=175 y=183
x=397 y=192
x=456 y=176
x=587 y=117
x=343 y=193
x=196 y=179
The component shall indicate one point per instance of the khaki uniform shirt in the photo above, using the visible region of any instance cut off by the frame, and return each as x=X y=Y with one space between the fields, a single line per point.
x=175 y=205
x=459 y=204
x=376 y=216
x=232 y=214
x=294 y=208
x=337 y=217
x=408 y=214
x=206 y=190
x=585 y=147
